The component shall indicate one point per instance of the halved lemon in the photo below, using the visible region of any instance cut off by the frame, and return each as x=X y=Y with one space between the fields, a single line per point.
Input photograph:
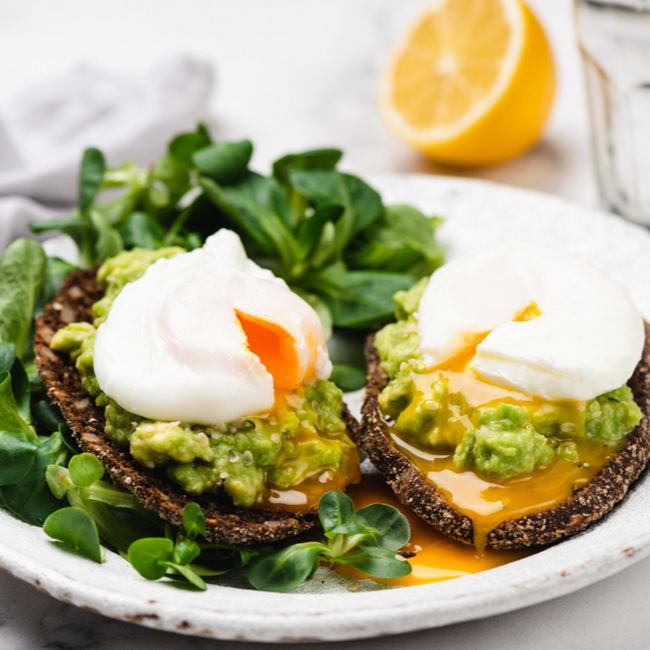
x=471 y=82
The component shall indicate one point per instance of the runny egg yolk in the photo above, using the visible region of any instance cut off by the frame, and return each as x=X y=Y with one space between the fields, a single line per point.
x=528 y=313
x=488 y=501
x=275 y=348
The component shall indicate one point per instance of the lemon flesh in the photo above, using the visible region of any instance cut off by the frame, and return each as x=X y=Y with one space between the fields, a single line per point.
x=471 y=82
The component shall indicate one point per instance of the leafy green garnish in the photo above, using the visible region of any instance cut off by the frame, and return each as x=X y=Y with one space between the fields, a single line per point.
x=194 y=520
x=146 y=555
x=85 y=470
x=22 y=272
x=76 y=529
x=81 y=485
x=367 y=540
x=91 y=176
x=141 y=230
x=46 y=415
x=17 y=455
x=14 y=407
x=30 y=498
x=348 y=377
x=225 y=162
x=287 y=568
x=155 y=557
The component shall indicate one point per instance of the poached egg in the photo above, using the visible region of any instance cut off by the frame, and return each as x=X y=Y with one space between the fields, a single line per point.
x=207 y=337
x=580 y=335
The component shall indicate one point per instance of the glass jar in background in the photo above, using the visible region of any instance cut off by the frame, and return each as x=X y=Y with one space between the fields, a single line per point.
x=614 y=38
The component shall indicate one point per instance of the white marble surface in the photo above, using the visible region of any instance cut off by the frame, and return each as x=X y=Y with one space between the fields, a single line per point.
x=290 y=75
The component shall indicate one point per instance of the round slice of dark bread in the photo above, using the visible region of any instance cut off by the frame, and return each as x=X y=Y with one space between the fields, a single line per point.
x=224 y=522
x=585 y=506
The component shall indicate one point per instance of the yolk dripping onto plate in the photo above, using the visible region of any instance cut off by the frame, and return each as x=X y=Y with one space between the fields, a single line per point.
x=435 y=556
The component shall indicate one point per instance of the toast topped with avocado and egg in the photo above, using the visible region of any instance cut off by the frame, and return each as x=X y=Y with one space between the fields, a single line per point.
x=508 y=405
x=200 y=377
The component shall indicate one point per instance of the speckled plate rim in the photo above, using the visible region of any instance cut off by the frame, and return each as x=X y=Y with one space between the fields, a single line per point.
x=478 y=214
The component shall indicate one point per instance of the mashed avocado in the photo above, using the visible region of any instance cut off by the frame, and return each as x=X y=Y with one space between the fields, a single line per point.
x=398 y=343
x=501 y=440
x=118 y=271
x=610 y=416
x=504 y=444
x=303 y=436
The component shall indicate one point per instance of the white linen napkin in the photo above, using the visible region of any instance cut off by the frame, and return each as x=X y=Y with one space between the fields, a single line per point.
x=44 y=131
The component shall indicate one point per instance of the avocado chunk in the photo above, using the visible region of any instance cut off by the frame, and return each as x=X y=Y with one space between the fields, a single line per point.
x=611 y=416
x=505 y=444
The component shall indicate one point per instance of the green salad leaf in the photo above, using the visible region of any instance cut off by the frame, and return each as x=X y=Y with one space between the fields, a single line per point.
x=361 y=204
x=11 y=418
x=76 y=529
x=30 y=498
x=287 y=568
x=367 y=540
x=149 y=556
x=20 y=387
x=85 y=470
x=141 y=230
x=47 y=416
x=334 y=510
x=194 y=520
x=184 y=145
x=17 y=455
x=22 y=273
x=119 y=518
x=91 y=176
x=349 y=539
x=348 y=377
x=360 y=299
x=392 y=529
x=155 y=557
x=225 y=162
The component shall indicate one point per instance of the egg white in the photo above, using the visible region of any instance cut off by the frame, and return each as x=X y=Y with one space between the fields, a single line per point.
x=586 y=342
x=172 y=348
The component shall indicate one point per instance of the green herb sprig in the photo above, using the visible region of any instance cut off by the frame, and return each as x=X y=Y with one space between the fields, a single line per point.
x=174 y=554
x=31 y=432
x=99 y=502
x=326 y=233
x=367 y=540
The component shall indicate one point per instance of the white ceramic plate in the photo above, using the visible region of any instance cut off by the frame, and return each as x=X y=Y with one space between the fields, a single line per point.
x=478 y=214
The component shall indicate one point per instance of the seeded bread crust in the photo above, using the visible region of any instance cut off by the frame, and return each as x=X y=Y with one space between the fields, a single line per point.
x=224 y=522
x=584 y=507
